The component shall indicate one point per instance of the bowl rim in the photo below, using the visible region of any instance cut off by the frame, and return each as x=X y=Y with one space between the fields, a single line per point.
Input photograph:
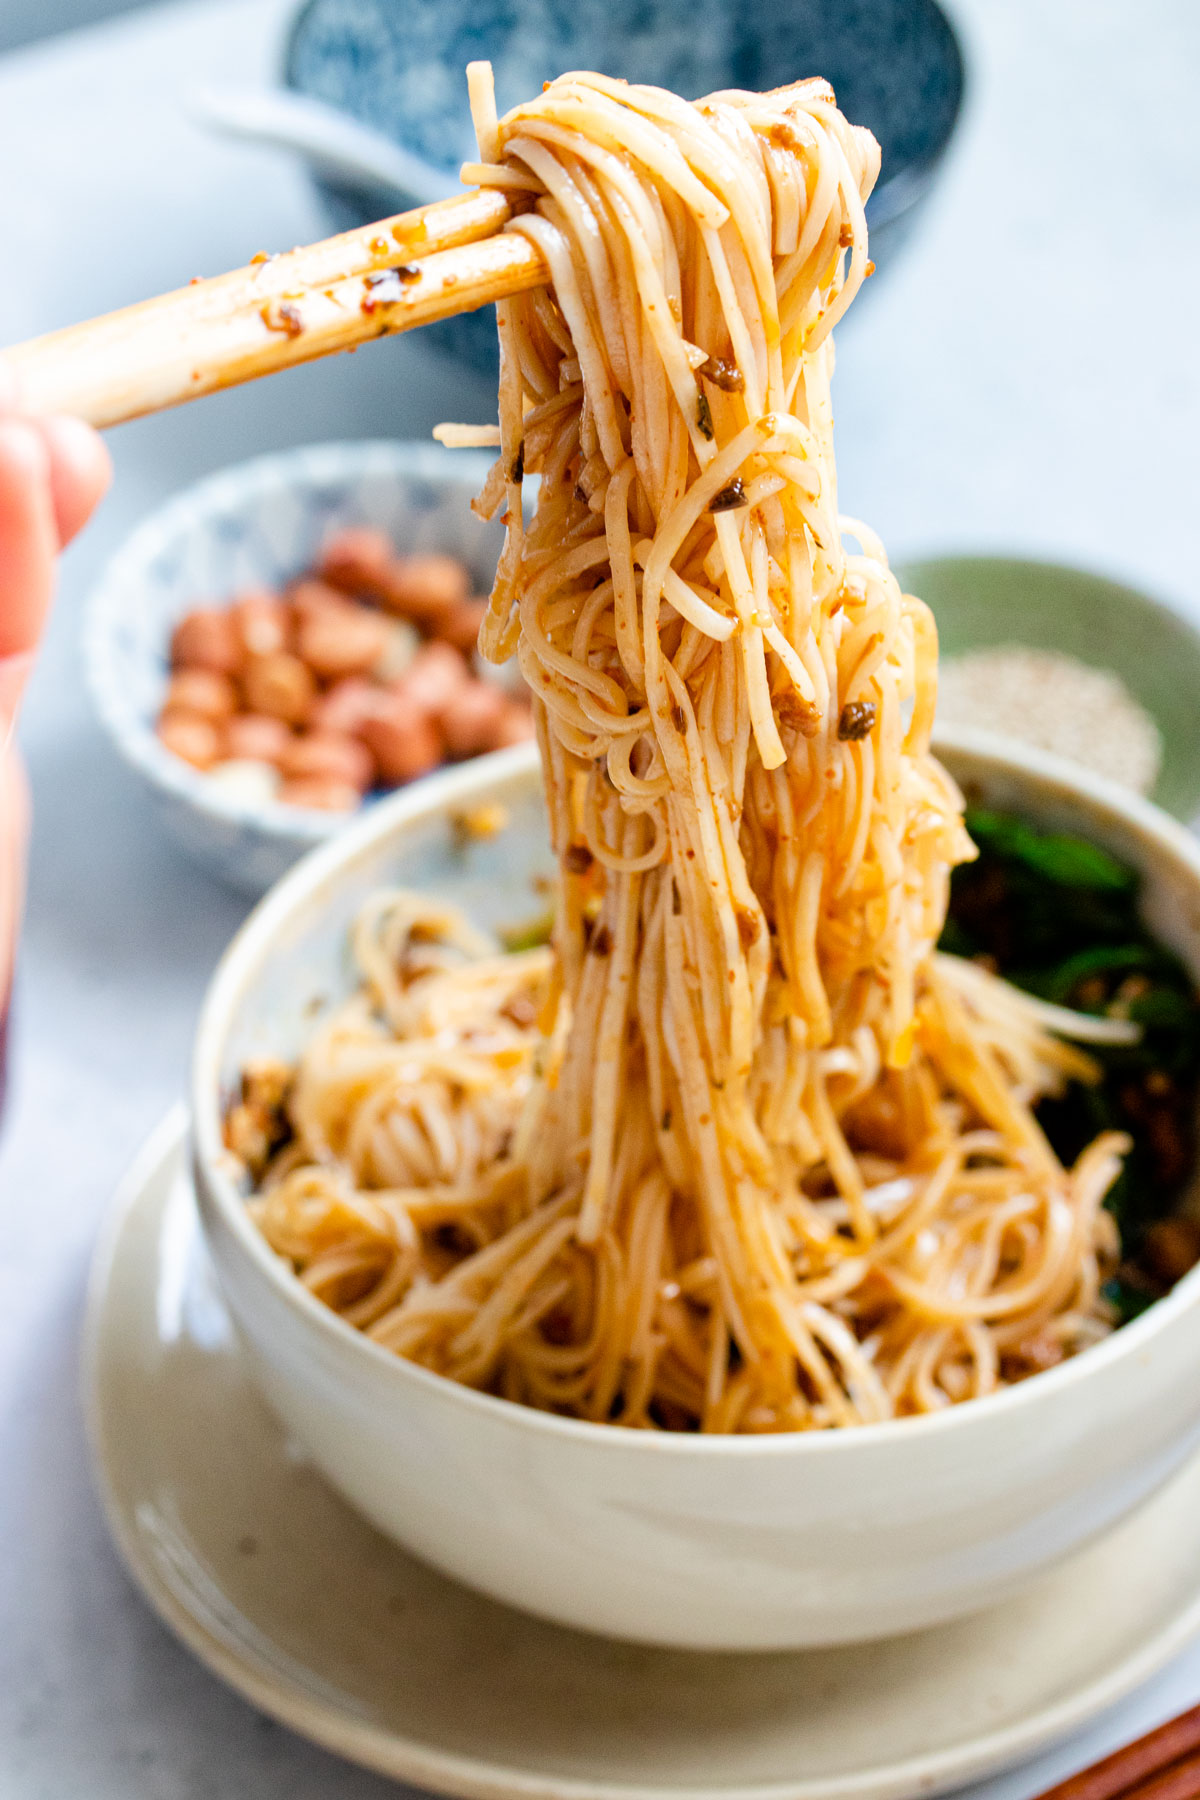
x=1009 y=556
x=235 y=488
x=899 y=188
x=1176 y=629
x=452 y=787
x=1114 y=582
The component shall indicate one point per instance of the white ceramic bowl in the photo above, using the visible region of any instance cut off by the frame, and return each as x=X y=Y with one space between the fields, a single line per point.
x=734 y=1543
x=259 y=524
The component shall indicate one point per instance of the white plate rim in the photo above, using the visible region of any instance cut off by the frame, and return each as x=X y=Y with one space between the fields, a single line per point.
x=405 y=1758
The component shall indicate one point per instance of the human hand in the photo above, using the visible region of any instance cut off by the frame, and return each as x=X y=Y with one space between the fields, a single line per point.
x=52 y=474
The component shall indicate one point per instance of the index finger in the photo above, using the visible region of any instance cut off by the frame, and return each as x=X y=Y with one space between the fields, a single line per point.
x=28 y=536
x=79 y=471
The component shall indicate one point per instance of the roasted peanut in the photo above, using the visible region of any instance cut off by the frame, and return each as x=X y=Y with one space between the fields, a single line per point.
x=207 y=639
x=474 y=719
x=309 y=597
x=201 y=691
x=256 y=737
x=392 y=705
x=404 y=742
x=400 y=646
x=191 y=737
x=262 y=622
x=320 y=792
x=341 y=642
x=422 y=588
x=280 y=685
x=433 y=681
x=358 y=560
x=426 y=589
x=460 y=625
x=328 y=755
x=344 y=707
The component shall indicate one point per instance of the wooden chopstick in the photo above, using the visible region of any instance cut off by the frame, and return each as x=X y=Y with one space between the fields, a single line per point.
x=1163 y=1765
x=1179 y=1782
x=428 y=264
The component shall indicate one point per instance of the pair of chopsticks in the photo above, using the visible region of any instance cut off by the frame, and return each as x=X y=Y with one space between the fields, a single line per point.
x=1163 y=1765
x=431 y=263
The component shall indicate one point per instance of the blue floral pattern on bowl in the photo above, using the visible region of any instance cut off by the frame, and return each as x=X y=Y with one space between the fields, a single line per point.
x=258 y=524
x=895 y=65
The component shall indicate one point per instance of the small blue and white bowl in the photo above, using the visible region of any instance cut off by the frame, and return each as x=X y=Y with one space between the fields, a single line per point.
x=259 y=524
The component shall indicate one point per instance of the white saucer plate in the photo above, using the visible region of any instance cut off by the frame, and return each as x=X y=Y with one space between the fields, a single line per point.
x=302 y=1607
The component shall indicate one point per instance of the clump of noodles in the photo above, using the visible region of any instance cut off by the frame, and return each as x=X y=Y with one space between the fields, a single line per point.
x=738 y=1151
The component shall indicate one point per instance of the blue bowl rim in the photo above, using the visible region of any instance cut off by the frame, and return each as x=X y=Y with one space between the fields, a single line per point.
x=894 y=194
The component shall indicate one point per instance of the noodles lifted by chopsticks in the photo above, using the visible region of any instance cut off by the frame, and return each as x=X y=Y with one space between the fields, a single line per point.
x=738 y=1151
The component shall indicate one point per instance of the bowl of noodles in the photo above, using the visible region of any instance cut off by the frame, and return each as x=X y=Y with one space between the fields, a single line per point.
x=994 y=1453
x=720 y=1179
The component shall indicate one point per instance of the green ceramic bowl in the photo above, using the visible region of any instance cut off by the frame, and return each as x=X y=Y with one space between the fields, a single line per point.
x=981 y=601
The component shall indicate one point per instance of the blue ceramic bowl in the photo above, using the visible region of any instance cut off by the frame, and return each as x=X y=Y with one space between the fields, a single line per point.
x=398 y=65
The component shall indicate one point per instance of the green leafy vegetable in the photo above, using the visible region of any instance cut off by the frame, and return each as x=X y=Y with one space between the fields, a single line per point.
x=1066 y=861
x=1126 y=1299
x=1061 y=918
x=1101 y=959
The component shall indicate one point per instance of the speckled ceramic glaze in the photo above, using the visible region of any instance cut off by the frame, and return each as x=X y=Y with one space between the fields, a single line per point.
x=259 y=524
x=895 y=66
x=703 y=1543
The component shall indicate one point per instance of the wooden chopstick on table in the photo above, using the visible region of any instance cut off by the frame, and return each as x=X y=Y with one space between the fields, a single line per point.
x=1163 y=1765
x=432 y=263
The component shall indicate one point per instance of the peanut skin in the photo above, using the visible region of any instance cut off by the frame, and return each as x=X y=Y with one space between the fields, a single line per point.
x=256 y=737
x=357 y=560
x=207 y=639
x=321 y=793
x=348 y=641
x=191 y=737
x=358 y=673
x=309 y=597
x=433 y=680
x=460 y=625
x=329 y=756
x=263 y=622
x=346 y=706
x=404 y=742
x=424 y=588
x=280 y=685
x=201 y=691
x=473 y=722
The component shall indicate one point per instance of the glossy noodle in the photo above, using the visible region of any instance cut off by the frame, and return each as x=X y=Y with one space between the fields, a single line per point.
x=739 y=1150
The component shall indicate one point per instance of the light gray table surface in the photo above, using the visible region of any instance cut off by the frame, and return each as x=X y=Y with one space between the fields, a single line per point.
x=1028 y=378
